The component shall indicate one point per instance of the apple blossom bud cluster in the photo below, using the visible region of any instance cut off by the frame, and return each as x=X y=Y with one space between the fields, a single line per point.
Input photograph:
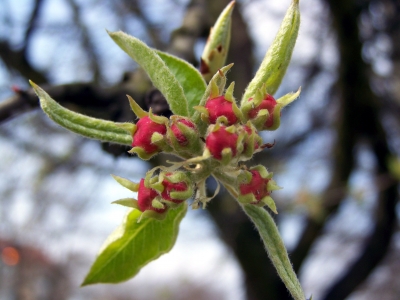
x=214 y=142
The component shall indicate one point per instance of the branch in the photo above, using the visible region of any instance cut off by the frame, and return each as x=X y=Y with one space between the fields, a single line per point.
x=32 y=24
x=21 y=102
x=363 y=105
x=90 y=49
x=17 y=60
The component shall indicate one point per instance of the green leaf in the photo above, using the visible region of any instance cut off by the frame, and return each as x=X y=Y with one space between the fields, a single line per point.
x=188 y=76
x=217 y=46
x=158 y=72
x=277 y=58
x=89 y=127
x=133 y=245
x=275 y=248
x=127 y=202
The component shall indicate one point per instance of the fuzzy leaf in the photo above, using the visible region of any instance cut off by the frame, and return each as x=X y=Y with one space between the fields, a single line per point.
x=189 y=77
x=275 y=248
x=127 y=202
x=217 y=46
x=89 y=127
x=277 y=59
x=133 y=245
x=158 y=72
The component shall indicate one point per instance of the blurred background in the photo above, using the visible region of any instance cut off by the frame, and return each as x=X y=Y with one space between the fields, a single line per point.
x=336 y=152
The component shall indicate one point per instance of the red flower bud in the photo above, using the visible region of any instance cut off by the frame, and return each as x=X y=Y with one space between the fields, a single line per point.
x=179 y=135
x=249 y=132
x=268 y=103
x=221 y=139
x=257 y=186
x=218 y=107
x=142 y=137
x=176 y=187
x=173 y=187
x=146 y=197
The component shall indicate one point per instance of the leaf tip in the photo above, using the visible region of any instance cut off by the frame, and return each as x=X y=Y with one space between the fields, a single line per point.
x=35 y=87
x=231 y=6
x=32 y=83
x=86 y=282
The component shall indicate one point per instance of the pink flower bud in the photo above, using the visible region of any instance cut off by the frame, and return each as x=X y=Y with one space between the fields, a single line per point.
x=179 y=135
x=173 y=187
x=257 y=186
x=146 y=197
x=218 y=107
x=145 y=130
x=221 y=139
x=249 y=131
x=177 y=187
x=269 y=104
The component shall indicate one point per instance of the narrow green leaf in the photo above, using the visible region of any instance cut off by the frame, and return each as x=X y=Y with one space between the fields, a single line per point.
x=133 y=186
x=188 y=76
x=133 y=245
x=275 y=248
x=128 y=202
x=217 y=46
x=277 y=58
x=161 y=76
x=89 y=127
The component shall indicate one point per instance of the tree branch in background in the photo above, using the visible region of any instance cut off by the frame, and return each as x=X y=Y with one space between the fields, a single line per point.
x=361 y=108
x=135 y=8
x=16 y=60
x=32 y=23
x=87 y=44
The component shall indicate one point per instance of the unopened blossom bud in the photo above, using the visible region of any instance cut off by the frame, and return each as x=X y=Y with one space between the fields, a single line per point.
x=177 y=187
x=263 y=114
x=145 y=134
x=184 y=137
x=221 y=108
x=267 y=103
x=147 y=199
x=255 y=187
x=264 y=111
x=178 y=133
x=222 y=143
x=251 y=141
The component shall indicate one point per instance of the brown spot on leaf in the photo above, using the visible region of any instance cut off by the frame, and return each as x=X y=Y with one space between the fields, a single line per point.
x=204 y=69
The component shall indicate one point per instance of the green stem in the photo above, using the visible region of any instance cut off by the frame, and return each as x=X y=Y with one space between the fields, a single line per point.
x=275 y=248
x=225 y=179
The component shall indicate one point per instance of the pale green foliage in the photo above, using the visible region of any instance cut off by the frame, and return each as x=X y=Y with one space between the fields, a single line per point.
x=277 y=58
x=217 y=46
x=161 y=76
x=275 y=248
x=133 y=245
x=189 y=78
x=93 y=128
